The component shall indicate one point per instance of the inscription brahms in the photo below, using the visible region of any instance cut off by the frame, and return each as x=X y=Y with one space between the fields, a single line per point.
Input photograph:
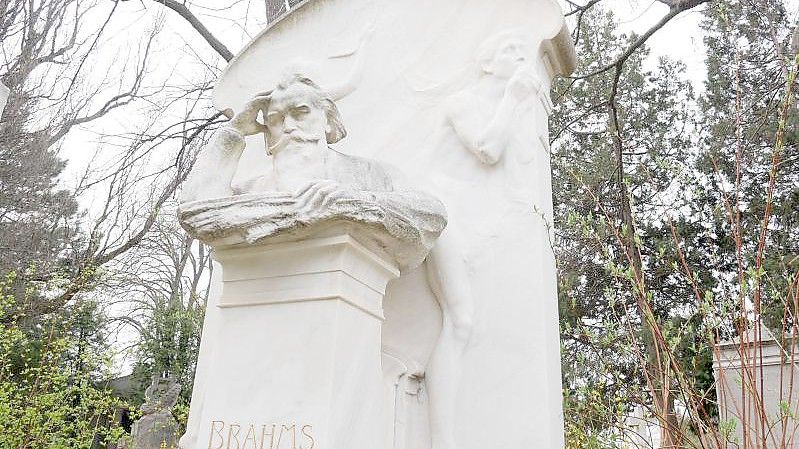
x=265 y=436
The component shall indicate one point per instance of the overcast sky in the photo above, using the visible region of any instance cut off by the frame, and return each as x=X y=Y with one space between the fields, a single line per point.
x=680 y=39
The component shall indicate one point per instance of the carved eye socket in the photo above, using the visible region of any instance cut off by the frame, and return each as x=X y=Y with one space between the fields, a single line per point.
x=274 y=119
x=300 y=111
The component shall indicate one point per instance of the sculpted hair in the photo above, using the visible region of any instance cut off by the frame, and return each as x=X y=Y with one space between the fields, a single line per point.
x=336 y=130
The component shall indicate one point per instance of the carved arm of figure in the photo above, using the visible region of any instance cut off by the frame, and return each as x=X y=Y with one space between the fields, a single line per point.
x=217 y=162
x=487 y=141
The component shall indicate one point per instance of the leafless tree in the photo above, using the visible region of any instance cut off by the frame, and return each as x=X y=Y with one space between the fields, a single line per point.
x=159 y=289
x=60 y=82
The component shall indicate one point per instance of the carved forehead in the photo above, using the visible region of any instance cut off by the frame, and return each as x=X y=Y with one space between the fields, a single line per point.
x=293 y=93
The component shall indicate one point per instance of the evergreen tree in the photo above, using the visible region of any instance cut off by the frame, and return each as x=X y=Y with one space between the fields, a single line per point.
x=661 y=200
x=749 y=61
x=37 y=216
x=622 y=151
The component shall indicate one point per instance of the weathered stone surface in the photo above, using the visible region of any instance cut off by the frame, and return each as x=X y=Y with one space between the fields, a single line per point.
x=309 y=186
x=291 y=349
x=755 y=380
x=402 y=224
x=157 y=429
x=456 y=95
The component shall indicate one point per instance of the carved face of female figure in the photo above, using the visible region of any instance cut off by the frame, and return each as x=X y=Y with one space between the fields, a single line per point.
x=508 y=58
x=504 y=53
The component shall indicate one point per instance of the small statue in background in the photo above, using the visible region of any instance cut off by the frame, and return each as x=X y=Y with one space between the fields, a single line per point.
x=157 y=428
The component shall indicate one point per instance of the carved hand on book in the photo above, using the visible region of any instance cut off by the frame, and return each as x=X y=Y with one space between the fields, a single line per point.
x=321 y=193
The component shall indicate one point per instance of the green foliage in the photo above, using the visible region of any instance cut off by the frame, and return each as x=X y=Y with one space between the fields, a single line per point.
x=597 y=285
x=696 y=171
x=592 y=418
x=172 y=272
x=170 y=344
x=50 y=397
x=749 y=61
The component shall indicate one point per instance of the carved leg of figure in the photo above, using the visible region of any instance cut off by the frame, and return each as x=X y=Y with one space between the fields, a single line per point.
x=449 y=280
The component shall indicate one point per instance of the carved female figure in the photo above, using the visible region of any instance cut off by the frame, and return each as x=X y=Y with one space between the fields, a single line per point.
x=475 y=172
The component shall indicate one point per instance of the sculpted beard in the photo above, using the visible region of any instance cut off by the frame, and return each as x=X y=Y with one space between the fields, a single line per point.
x=292 y=137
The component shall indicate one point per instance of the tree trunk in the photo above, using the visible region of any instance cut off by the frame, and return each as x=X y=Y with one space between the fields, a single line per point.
x=657 y=368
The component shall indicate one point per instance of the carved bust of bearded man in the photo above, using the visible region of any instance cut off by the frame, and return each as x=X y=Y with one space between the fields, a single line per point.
x=301 y=120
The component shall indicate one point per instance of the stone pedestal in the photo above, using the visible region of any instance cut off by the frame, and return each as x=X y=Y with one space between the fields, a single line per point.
x=298 y=347
x=755 y=387
x=291 y=346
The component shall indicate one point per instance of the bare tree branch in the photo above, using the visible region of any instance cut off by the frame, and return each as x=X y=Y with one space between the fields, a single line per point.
x=679 y=7
x=184 y=12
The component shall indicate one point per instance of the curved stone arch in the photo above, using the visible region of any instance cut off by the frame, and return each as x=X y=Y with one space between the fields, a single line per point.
x=276 y=9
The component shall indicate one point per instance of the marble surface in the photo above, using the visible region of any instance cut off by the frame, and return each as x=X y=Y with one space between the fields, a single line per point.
x=404 y=226
x=291 y=345
x=309 y=185
x=454 y=94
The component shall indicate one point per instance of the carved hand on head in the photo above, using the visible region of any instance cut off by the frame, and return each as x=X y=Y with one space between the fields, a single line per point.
x=246 y=121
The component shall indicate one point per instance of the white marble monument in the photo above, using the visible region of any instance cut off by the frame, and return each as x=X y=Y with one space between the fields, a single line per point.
x=464 y=353
x=291 y=347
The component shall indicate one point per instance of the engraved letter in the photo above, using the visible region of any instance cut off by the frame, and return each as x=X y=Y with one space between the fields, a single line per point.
x=271 y=437
x=231 y=435
x=306 y=431
x=250 y=435
x=218 y=432
x=293 y=436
